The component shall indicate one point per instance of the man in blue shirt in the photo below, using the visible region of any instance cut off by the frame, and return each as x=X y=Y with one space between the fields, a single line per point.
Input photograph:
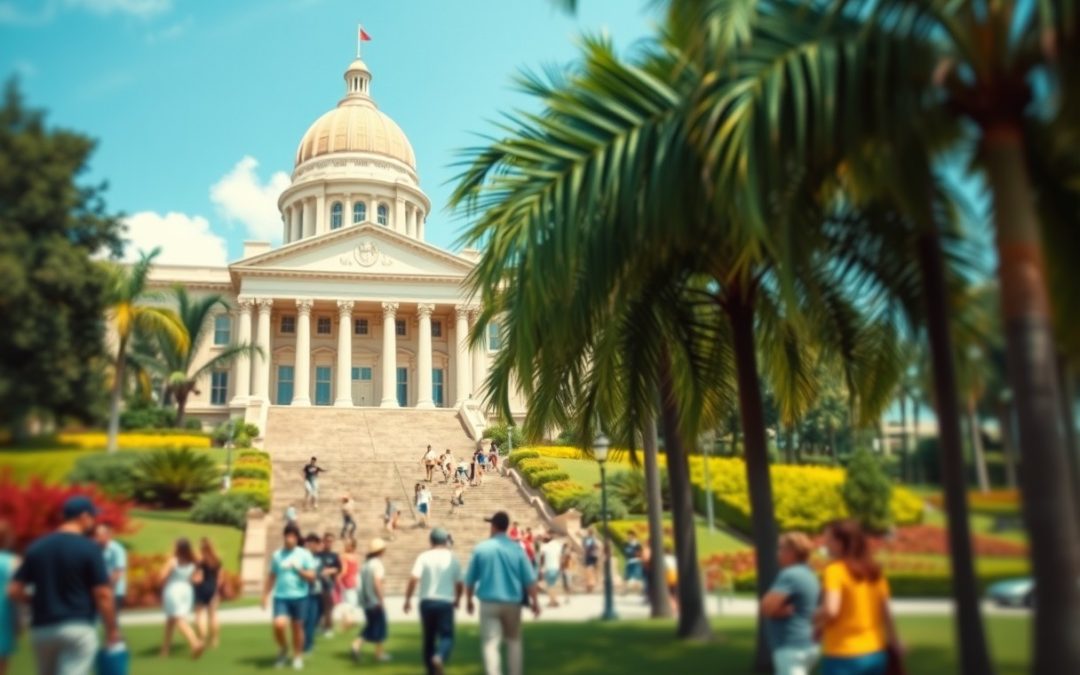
x=66 y=571
x=501 y=576
x=788 y=607
x=115 y=562
x=292 y=570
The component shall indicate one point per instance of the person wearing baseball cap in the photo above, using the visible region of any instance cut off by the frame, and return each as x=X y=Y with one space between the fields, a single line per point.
x=373 y=601
x=501 y=576
x=71 y=591
x=438 y=574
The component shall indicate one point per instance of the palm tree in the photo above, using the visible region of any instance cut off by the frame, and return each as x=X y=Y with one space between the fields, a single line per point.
x=131 y=309
x=177 y=363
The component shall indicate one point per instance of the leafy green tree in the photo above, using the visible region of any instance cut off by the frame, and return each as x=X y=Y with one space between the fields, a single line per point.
x=52 y=294
x=131 y=309
x=867 y=491
x=177 y=364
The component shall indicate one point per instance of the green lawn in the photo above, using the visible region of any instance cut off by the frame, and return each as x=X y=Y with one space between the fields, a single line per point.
x=981 y=523
x=584 y=471
x=54 y=465
x=158 y=531
x=570 y=649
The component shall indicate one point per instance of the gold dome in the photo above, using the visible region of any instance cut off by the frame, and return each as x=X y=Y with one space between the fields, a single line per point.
x=356 y=125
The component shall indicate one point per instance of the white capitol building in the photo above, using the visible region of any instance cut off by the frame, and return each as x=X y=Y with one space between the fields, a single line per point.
x=354 y=308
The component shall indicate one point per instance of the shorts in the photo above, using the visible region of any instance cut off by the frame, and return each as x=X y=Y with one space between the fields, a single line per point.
x=294 y=608
x=551 y=578
x=591 y=561
x=423 y=508
x=873 y=663
x=311 y=486
x=794 y=660
x=375 y=627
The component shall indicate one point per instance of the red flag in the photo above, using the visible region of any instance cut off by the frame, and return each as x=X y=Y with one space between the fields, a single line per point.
x=364 y=37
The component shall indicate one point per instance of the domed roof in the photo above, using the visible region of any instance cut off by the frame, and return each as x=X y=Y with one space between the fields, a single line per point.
x=356 y=125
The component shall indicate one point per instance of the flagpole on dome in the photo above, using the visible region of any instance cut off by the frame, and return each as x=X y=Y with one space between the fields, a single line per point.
x=361 y=38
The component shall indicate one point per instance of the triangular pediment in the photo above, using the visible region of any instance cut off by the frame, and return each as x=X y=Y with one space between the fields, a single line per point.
x=363 y=249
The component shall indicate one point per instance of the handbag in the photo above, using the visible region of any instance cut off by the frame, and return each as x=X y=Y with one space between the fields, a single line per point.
x=113 y=660
x=894 y=661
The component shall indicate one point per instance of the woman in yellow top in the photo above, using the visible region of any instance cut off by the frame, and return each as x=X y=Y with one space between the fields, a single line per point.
x=854 y=618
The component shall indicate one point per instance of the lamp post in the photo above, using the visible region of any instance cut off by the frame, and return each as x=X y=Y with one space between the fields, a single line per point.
x=227 y=478
x=600 y=450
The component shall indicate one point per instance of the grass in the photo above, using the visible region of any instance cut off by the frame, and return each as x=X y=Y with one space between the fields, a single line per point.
x=564 y=648
x=584 y=471
x=981 y=523
x=720 y=540
x=158 y=531
x=52 y=465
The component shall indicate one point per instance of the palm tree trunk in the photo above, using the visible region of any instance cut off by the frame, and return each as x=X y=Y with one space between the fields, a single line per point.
x=181 y=408
x=763 y=523
x=1008 y=442
x=692 y=620
x=1067 y=399
x=974 y=656
x=977 y=450
x=1049 y=508
x=113 y=436
x=658 y=601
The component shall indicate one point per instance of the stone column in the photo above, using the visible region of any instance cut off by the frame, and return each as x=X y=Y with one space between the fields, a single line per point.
x=343 y=397
x=321 y=221
x=346 y=218
x=302 y=370
x=261 y=387
x=462 y=374
x=479 y=363
x=309 y=217
x=398 y=223
x=410 y=222
x=419 y=224
x=423 y=360
x=389 y=356
x=243 y=363
x=286 y=226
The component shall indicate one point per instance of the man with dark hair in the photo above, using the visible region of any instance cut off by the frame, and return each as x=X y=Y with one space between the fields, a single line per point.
x=292 y=569
x=313 y=544
x=438 y=575
x=311 y=483
x=66 y=569
x=501 y=576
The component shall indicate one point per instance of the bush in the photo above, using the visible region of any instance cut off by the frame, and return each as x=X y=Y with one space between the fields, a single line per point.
x=500 y=433
x=539 y=478
x=866 y=492
x=257 y=490
x=258 y=472
x=140 y=440
x=521 y=455
x=252 y=463
x=223 y=509
x=174 y=478
x=193 y=424
x=629 y=487
x=254 y=454
x=563 y=494
x=34 y=509
x=241 y=433
x=591 y=512
x=241 y=440
x=113 y=474
x=535 y=465
x=147 y=416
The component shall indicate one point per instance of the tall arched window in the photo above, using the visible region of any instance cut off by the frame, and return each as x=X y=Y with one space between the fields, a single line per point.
x=359 y=213
x=384 y=214
x=335 y=216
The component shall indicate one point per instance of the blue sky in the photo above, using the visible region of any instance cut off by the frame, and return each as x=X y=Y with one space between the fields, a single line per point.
x=198 y=105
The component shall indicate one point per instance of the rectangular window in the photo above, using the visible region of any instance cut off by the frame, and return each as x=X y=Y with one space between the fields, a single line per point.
x=361 y=373
x=399 y=327
x=437 y=387
x=403 y=387
x=222 y=329
x=288 y=324
x=219 y=387
x=494 y=337
x=322 y=325
x=284 y=385
x=436 y=329
x=360 y=326
x=322 y=385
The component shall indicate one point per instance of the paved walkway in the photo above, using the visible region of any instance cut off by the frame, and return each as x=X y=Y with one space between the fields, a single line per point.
x=581 y=608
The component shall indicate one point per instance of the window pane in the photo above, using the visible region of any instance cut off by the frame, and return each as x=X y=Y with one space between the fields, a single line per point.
x=323 y=325
x=437 y=386
x=494 y=337
x=360 y=326
x=383 y=214
x=365 y=373
x=335 y=216
x=356 y=373
x=219 y=387
x=285 y=385
x=359 y=212
x=288 y=324
x=322 y=385
x=399 y=327
x=222 y=329
x=436 y=329
x=403 y=386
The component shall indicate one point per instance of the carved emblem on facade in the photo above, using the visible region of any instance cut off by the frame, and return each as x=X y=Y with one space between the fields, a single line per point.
x=366 y=253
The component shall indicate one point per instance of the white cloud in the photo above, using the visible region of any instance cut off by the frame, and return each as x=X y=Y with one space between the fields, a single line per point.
x=242 y=197
x=139 y=8
x=184 y=239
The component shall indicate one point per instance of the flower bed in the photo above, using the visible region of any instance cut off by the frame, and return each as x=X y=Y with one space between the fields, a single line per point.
x=166 y=438
x=34 y=509
x=992 y=503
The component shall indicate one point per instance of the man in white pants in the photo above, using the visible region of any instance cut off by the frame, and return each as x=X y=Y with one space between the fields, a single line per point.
x=500 y=575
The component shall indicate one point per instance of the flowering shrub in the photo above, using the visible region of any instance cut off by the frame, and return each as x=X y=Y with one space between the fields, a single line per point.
x=563 y=494
x=258 y=490
x=535 y=465
x=615 y=455
x=34 y=509
x=994 y=502
x=142 y=439
x=144 y=581
x=518 y=456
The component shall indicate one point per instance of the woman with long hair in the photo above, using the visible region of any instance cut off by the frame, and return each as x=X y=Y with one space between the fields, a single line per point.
x=857 y=628
x=179 y=576
x=9 y=614
x=208 y=594
x=349 y=581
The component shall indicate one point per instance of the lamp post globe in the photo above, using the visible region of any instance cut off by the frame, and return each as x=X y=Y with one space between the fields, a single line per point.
x=601 y=444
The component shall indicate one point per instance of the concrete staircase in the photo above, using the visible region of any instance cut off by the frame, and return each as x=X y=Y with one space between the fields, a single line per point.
x=373 y=454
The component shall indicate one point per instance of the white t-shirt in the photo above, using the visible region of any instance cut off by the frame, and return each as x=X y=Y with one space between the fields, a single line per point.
x=551 y=552
x=370 y=571
x=429 y=456
x=423 y=497
x=438 y=571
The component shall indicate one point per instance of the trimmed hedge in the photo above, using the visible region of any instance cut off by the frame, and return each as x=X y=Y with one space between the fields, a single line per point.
x=258 y=490
x=540 y=478
x=224 y=509
x=521 y=455
x=259 y=472
x=255 y=454
x=563 y=494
